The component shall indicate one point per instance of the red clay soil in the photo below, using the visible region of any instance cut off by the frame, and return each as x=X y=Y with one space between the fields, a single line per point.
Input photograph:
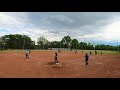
x=40 y=65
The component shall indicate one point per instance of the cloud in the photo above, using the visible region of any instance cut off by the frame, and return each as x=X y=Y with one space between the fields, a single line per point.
x=55 y=25
x=10 y=22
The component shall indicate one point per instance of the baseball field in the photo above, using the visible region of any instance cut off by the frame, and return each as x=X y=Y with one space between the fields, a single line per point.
x=13 y=64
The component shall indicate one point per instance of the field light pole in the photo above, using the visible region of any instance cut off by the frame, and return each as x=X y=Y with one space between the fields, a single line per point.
x=34 y=39
x=70 y=46
x=60 y=44
x=64 y=44
x=94 y=45
x=118 y=45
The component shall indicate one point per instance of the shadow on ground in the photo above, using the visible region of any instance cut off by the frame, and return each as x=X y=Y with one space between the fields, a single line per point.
x=51 y=63
x=57 y=66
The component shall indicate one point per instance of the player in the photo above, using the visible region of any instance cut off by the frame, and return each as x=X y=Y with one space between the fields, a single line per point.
x=76 y=52
x=90 y=52
x=95 y=52
x=86 y=58
x=56 y=61
x=27 y=54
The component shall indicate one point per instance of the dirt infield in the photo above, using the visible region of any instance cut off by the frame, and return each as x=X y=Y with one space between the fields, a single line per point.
x=40 y=65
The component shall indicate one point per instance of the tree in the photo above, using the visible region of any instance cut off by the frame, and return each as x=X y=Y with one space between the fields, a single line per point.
x=74 y=44
x=55 y=44
x=89 y=46
x=1 y=43
x=81 y=45
x=66 y=41
x=32 y=44
x=42 y=42
x=16 y=41
x=26 y=42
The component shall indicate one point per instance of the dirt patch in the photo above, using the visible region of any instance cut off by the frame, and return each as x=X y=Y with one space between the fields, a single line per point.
x=41 y=65
x=57 y=66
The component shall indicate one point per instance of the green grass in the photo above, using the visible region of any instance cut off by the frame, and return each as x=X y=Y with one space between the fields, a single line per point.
x=21 y=50
x=88 y=51
x=98 y=51
x=103 y=51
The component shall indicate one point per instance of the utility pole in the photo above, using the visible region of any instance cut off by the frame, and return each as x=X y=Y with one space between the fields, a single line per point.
x=60 y=45
x=118 y=45
x=85 y=43
x=94 y=45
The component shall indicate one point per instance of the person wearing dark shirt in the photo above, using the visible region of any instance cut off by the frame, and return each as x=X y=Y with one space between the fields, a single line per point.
x=27 y=54
x=90 y=52
x=86 y=58
x=76 y=52
x=56 y=61
x=95 y=52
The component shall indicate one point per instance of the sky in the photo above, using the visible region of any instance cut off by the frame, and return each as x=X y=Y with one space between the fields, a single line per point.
x=93 y=27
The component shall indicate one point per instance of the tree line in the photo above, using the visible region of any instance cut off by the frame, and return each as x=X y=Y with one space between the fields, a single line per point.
x=17 y=41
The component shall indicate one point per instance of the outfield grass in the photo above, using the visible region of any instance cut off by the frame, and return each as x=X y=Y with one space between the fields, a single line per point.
x=88 y=51
x=21 y=50
x=99 y=51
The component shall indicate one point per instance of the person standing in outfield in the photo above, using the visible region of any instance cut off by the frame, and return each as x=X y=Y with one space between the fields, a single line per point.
x=95 y=52
x=86 y=58
x=90 y=52
x=27 y=54
x=76 y=52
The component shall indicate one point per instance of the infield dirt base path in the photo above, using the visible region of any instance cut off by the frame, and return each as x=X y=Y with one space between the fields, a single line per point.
x=40 y=65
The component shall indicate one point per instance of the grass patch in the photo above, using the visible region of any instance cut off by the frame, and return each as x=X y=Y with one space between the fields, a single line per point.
x=22 y=50
x=88 y=51
x=99 y=51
